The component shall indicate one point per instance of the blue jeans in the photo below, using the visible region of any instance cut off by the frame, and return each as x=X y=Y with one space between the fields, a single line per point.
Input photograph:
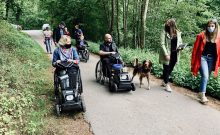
x=207 y=64
x=48 y=45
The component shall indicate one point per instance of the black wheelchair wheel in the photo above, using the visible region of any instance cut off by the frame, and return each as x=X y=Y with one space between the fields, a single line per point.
x=80 y=86
x=87 y=54
x=133 y=87
x=114 y=87
x=98 y=71
x=83 y=105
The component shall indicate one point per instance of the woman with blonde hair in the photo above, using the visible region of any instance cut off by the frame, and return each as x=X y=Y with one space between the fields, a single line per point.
x=206 y=56
x=65 y=52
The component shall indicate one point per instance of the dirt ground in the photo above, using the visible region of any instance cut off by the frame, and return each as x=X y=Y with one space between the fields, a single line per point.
x=214 y=103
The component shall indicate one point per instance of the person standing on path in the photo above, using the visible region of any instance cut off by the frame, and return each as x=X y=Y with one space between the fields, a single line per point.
x=169 y=51
x=206 y=56
x=58 y=32
x=47 y=39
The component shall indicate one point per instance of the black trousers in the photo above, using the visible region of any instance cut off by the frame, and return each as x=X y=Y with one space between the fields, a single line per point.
x=167 y=69
x=106 y=67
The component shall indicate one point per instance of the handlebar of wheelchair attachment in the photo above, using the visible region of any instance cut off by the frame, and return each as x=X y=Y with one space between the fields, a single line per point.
x=69 y=63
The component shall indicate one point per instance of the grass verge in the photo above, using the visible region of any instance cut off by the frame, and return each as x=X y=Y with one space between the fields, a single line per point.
x=24 y=83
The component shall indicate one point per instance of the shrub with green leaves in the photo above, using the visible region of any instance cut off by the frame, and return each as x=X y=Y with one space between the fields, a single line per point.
x=181 y=74
x=24 y=78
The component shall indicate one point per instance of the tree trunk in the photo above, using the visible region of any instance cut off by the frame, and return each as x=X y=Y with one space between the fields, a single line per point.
x=138 y=23
x=106 y=9
x=111 y=29
x=7 y=6
x=144 y=7
x=125 y=16
x=134 y=24
x=117 y=18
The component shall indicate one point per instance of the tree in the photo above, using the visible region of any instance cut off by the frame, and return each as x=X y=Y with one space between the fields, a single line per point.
x=144 y=8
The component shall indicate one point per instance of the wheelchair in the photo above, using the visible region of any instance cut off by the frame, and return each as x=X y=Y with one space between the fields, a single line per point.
x=119 y=80
x=68 y=84
x=83 y=52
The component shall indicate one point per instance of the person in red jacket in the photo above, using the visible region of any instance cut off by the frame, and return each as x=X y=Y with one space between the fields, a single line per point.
x=206 y=55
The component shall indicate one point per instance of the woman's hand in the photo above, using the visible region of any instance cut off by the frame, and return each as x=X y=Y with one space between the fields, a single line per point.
x=58 y=61
x=112 y=53
x=74 y=61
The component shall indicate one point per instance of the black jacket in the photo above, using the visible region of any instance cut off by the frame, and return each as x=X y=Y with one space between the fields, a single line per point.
x=57 y=34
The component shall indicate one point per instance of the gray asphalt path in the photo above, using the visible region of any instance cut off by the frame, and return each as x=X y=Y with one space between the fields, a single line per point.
x=143 y=112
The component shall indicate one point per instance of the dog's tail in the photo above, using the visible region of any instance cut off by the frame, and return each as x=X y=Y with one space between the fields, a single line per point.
x=135 y=63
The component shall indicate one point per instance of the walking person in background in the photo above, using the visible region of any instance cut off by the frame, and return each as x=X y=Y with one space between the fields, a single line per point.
x=58 y=32
x=47 y=39
x=169 y=51
x=206 y=56
x=66 y=32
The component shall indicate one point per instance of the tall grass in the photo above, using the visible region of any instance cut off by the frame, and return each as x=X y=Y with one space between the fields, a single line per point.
x=24 y=81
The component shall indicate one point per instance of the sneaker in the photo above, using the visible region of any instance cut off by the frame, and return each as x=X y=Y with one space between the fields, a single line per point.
x=167 y=88
x=163 y=84
x=202 y=98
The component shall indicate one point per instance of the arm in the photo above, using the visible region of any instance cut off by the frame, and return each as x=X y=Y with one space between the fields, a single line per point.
x=105 y=53
x=75 y=56
x=102 y=51
x=194 y=52
x=55 y=57
x=162 y=43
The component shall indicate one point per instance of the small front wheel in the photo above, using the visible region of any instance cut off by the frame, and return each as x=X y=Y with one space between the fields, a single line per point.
x=83 y=106
x=133 y=87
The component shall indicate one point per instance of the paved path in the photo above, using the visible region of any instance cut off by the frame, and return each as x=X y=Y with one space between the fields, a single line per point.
x=143 y=112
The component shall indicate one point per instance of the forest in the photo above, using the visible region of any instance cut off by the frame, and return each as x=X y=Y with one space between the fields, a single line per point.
x=136 y=25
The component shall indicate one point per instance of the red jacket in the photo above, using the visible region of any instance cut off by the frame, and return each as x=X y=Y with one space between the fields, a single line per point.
x=198 y=48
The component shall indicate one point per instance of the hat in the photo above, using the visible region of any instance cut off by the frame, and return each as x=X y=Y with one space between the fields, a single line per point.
x=64 y=40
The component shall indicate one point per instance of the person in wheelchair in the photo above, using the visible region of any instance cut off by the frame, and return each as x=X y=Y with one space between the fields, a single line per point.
x=81 y=44
x=65 y=52
x=107 y=49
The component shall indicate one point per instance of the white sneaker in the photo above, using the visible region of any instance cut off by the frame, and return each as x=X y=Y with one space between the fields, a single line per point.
x=163 y=84
x=203 y=99
x=167 y=88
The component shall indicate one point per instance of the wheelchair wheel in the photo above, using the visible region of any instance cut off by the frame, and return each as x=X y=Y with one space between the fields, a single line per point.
x=80 y=88
x=133 y=87
x=112 y=86
x=83 y=106
x=98 y=71
x=58 y=109
x=87 y=54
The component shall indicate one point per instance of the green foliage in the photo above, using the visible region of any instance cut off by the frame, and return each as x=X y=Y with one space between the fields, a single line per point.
x=24 y=77
x=181 y=74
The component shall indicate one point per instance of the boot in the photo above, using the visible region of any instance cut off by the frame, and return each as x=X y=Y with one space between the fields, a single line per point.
x=203 y=99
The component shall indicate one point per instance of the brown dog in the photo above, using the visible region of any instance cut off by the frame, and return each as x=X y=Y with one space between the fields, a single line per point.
x=143 y=70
